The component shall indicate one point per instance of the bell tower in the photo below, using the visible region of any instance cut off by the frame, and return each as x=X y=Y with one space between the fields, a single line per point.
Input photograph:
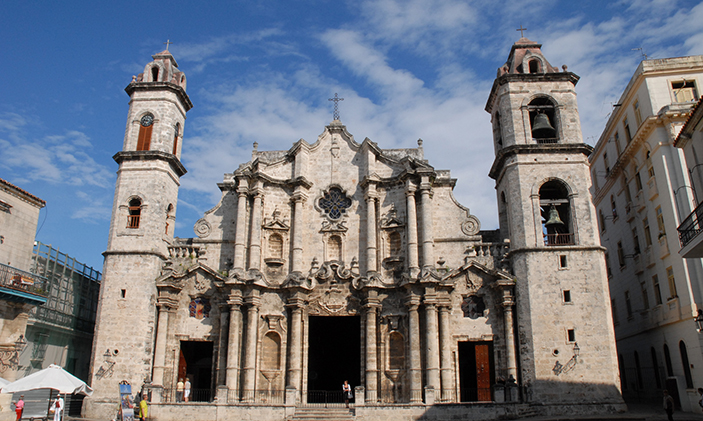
x=545 y=211
x=141 y=229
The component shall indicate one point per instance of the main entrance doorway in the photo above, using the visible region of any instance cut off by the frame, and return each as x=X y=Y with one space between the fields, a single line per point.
x=476 y=371
x=195 y=363
x=334 y=355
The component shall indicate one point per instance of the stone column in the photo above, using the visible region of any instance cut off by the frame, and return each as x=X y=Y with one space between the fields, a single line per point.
x=240 y=233
x=372 y=304
x=165 y=305
x=371 y=256
x=432 y=341
x=249 y=385
x=297 y=264
x=415 y=368
x=446 y=355
x=255 y=239
x=413 y=263
x=510 y=351
x=295 y=346
x=426 y=214
x=233 y=350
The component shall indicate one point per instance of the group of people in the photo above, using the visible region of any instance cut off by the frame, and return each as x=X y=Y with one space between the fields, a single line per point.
x=56 y=408
x=183 y=390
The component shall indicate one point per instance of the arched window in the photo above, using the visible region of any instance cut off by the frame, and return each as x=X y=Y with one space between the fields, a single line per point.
x=177 y=131
x=276 y=246
x=640 y=383
x=134 y=213
x=623 y=372
x=557 y=227
x=655 y=364
x=146 y=124
x=686 y=365
x=601 y=220
x=497 y=131
x=169 y=216
x=394 y=244
x=155 y=73
x=667 y=361
x=543 y=120
x=271 y=352
x=334 y=248
x=534 y=66
x=612 y=205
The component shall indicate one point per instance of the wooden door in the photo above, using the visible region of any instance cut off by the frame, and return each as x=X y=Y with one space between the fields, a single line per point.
x=483 y=372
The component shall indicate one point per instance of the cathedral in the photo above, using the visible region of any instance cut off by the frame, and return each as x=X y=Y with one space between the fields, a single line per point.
x=340 y=260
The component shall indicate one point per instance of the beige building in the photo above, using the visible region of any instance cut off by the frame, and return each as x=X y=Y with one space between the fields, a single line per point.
x=20 y=290
x=690 y=139
x=340 y=260
x=642 y=189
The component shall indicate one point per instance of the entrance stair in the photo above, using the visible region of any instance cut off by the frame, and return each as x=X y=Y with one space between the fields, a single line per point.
x=322 y=414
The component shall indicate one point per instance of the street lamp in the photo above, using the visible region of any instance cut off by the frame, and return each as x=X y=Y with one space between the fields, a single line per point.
x=699 y=320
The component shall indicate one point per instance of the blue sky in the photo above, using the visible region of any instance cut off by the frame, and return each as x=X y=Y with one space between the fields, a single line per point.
x=263 y=71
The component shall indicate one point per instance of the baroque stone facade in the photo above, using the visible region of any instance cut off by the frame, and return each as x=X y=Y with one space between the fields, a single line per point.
x=339 y=260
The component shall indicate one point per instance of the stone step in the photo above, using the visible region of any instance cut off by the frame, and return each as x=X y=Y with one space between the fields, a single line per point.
x=320 y=414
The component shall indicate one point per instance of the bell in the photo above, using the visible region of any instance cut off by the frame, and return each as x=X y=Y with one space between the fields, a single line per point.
x=553 y=217
x=541 y=129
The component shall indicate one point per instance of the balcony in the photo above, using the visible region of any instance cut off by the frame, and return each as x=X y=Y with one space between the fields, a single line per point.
x=689 y=230
x=22 y=287
x=629 y=212
x=559 y=240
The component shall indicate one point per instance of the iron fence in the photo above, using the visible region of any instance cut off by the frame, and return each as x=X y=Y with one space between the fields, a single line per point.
x=559 y=240
x=691 y=226
x=325 y=398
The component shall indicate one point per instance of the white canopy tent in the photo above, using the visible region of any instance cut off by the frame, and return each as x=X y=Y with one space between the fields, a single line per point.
x=52 y=377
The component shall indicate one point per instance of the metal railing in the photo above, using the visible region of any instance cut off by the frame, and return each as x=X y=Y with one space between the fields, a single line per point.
x=559 y=239
x=691 y=226
x=196 y=395
x=325 y=398
x=20 y=280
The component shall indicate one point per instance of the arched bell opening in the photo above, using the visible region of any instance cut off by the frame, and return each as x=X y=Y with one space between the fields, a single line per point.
x=555 y=207
x=543 y=120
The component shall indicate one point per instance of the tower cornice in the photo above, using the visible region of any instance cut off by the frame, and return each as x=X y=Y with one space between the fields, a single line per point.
x=503 y=154
x=156 y=86
x=174 y=162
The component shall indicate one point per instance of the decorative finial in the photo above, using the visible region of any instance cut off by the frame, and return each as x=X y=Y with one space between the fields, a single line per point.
x=336 y=100
x=522 y=31
x=256 y=146
x=419 y=143
x=134 y=78
x=564 y=67
x=168 y=42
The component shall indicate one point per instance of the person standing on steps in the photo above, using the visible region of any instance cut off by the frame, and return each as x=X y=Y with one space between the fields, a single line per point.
x=346 y=391
x=179 y=390
x=187 y=390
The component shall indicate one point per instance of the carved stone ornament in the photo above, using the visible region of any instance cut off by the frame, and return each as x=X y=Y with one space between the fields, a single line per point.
x=471 y=226
x=202 y=228
x=390 y=219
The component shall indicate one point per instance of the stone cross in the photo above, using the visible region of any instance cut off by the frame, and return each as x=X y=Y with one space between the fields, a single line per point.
x=168 y=42
x=336 y=100
x=521 y=29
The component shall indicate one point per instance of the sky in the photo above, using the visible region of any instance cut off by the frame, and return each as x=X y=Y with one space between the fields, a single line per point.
x=263 y=71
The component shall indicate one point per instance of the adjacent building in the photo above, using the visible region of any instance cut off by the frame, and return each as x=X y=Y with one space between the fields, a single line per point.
x=642 y=190
x=340 y=260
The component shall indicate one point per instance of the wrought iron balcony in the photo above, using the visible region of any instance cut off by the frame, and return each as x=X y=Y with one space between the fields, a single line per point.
x=689 y=230
x=20 y=286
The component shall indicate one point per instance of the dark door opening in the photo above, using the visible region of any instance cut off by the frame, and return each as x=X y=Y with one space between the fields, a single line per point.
x=334 y=355
x=196 y=364
x=476 y=375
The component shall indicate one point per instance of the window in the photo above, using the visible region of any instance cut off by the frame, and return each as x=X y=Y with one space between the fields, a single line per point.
x=686 y=365
x=638 y=182
x=497 y=131
x=534 y=66
x=650 y=168
x=655 y=365
x=626 y=187
x=628 y=304
x=556 y=214
x=594 y=177
x=667 y=361
x=562 y=261
x=155 y=74
x=660 y=221
x=638 y=112
x=177 y=131
x=334 y=203
x=647 y=233
x=146 y=124
x=612 y=205
x=684 y=91
x=606 y=164
x=616 y=138
x=623 y=372
x=571 y=335
x=636 y=241
x=621 y=255
x=657 y=290
x=614 y=309
x=628 y=135
x=672 y=282
x=607 y=266
x=543 y=118
x=638 y=368
x=645 y=296
x=134 y=213
x=601 y=220
x=567 y=296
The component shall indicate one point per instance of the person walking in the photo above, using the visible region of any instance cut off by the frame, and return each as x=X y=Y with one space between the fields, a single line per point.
x=19 y=407
x=179 y=390
x=187 y=390
x=143 y=408
x=669 y=405
x=346 y=391
x=57 y=407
